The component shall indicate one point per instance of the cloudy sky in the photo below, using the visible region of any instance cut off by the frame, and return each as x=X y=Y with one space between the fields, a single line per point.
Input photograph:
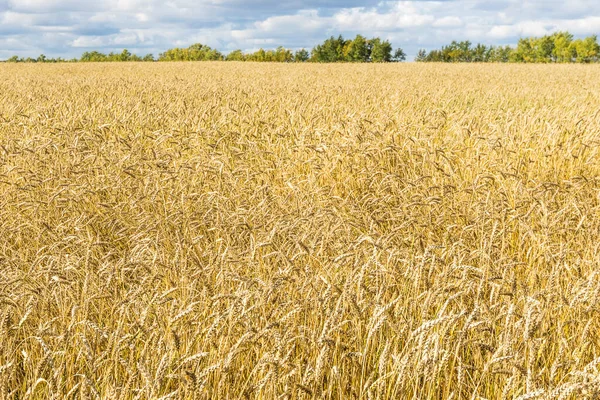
x=67 y=28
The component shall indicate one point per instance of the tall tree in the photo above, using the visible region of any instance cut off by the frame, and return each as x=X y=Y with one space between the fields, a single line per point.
x=480 y=53
x=587 y=50
x=283 y=55
x=381 y=50
x=125 y=55
x=357 y=49
x=236 y=55
x=195 y=52
x=524 y=52
x=399 y=55
x=499 y=54
x=421 y=56
x=544 y=49
x=301 y=55
x=332 y=50
x=563 y=52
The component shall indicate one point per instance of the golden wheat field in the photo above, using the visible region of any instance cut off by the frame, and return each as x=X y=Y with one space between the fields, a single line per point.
x=225 y=231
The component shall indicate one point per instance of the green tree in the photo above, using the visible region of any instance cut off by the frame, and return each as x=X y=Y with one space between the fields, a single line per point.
x=260 y=55
x=200 y=52
x=281 y=54
x=399 y=55
x=558 y=47
x=301 y=55
x=457 y=52
x=544 y=49
x=586 y=50
x=113 y=57
x=332 y=50
x=524 y=52
x=357 y=50
x=381 y=50
x=195 y=52
x=236 y=55
x=500 y=54
x=93 y=56
x=480 y=53
x=125 y=55
x=563 y=52
x=421 y=55
x=466 y=53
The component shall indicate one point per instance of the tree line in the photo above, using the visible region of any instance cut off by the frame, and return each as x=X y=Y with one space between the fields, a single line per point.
x=559 y=47
x=334 y=49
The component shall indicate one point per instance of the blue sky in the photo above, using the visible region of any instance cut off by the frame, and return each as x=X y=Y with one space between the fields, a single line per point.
x=67 y=28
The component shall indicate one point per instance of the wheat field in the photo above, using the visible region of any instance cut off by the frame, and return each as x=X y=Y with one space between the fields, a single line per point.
x=254 y=231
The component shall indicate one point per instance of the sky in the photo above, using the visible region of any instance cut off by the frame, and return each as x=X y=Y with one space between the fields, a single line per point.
x=67 y=28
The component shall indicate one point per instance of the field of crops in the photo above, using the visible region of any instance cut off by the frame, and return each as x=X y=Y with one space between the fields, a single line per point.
x=230 y=230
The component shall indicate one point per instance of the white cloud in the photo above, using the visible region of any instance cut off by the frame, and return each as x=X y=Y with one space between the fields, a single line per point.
x=68 y=27
x=586 y=25
x=89 y=41
x=307 y=20
x=503 y=31
x=361 y=19
x=583 y=26
x=46 y=6
x=447 y=22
